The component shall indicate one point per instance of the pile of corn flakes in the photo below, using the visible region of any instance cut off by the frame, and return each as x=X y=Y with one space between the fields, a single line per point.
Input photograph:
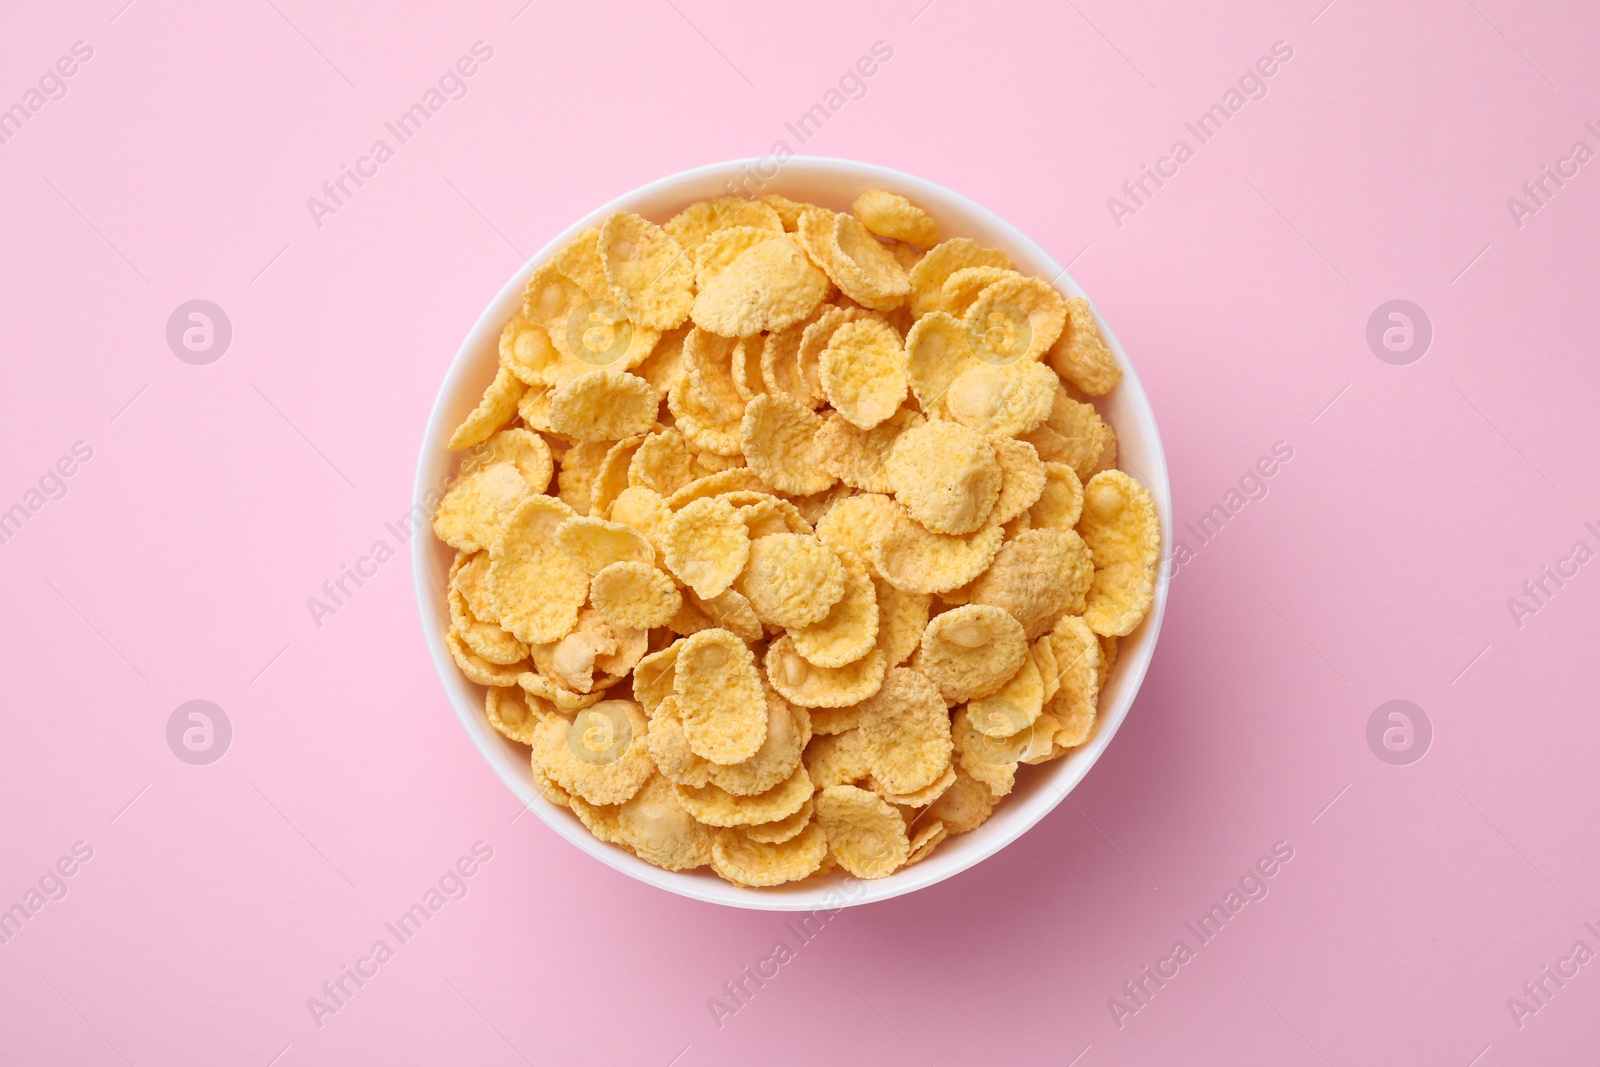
x=785 y=536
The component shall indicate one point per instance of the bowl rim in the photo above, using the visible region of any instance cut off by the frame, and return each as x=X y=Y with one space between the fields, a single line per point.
x=1067 y=772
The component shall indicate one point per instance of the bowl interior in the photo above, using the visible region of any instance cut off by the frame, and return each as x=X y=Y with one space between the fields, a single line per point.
x=835 y=184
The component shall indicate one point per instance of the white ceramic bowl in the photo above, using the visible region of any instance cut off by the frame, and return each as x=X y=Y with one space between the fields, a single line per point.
x=833 y=183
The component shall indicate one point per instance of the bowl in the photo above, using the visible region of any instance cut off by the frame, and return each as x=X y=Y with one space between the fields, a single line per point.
x=833 y=183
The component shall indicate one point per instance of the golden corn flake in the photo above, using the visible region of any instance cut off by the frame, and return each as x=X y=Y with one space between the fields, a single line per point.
x=972 y=651
x=945 y=476
x=565 y=700
x=1016 y=319
x=604 y=406
x=1123 y=532
x=1061 y=502
x=902 y=617
x=717 y=807
x=850 y=628
x=910 y=557
x=788 y=732
x=838 y=759
x=1037 y=578
x=600 y=756
x=476 y=506
x=525 y=350
x=718 y=251
x=1074 y=434
x=859 y=458
x=863 y=372
x=707 y=544
x=645 y=510
x=469 y=576
x=865 y=835
x=965 y=806
x=478 y=669
x=536 y=588
x=655 y=825
x=512 y=713
x=650 y=274
x=778 y=437
x=1015 y=705
x=700 y=220
x=928 y=276
x=730 y=610
x=767 y=287
x=664 y=365
x=791 y=580
x=719 y=691
x=1078 y=657
x=522 y=449
x=634 y=594
x=1007 y=399
x=892 y=215
x=776 y=833
x=907 y=727
x=498 y=407
x=663 y=463
x=594 y=655
x=743 y=860
x=961 y=290
x=804 y=683
x=670 y=748
x=486 y=639
x=814 y=341
x=852 y=522
x=862 y=268
x=1081 y=356
x=938 y=351
x=594 y=544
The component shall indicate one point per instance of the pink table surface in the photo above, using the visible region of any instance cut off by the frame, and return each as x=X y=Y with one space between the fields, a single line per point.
x=176 y=562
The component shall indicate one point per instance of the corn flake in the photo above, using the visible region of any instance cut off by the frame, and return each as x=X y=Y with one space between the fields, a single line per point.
x=791 y=580
x=767 y=287
x=972 y=651
x=536 y=588
x=1123 y=533
x=863 y=372
x=719 y=691
x=850 y=628
x=865 y=835
x=910 y=557
x=892 y=215
x=650 y=274
x=1037 y=578
x=945 y=476
x=803 y=683
x=1080 y=355
x=633 y=594
x=778 y=437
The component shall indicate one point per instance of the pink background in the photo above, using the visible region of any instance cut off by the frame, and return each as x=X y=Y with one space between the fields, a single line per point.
x=219 y=498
